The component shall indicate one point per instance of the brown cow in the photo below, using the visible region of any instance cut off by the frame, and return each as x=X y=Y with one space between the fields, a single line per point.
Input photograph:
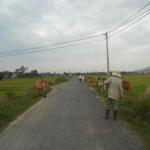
x=91 y=80
x=126 y=86
x=147 y=92
x=101 y=85
x=41 y=87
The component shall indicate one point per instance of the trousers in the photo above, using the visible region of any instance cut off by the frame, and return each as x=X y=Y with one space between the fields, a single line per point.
x=112 y=104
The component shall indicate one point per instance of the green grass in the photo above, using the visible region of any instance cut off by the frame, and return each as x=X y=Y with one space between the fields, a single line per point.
x=16 y=96
x=20 y=85
x=139 y=83
x=136 y=110
x=11 y=107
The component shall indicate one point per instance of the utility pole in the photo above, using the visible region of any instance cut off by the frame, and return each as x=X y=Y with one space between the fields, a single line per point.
x=108 y=68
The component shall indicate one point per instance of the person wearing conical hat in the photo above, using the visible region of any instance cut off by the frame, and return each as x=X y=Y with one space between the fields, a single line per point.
x=115 y=93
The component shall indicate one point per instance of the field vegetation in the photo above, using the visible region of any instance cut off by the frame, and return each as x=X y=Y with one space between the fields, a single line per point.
x=16 y=95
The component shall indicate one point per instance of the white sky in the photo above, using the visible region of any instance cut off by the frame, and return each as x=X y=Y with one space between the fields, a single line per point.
x=29 y=23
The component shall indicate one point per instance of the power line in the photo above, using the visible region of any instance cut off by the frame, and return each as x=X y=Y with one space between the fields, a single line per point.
x=40 y=48
x=54 y=44
x=125 y=22
x=48 y=49
x=131 y=24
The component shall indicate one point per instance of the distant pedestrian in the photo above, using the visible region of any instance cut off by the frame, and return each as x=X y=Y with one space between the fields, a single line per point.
x=115 y=93
x=80 y=78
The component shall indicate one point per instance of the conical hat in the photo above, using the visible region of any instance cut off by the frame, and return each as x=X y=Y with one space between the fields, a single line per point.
x=116 y=73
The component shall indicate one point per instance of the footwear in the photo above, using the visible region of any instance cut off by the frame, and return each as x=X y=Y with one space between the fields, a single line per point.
x=115 y=115
x=107 y=112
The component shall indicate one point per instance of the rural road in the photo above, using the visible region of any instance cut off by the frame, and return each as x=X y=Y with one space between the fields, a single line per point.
x=70 y=118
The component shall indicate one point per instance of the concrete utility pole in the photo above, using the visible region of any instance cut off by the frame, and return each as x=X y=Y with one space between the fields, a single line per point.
x=108 y=71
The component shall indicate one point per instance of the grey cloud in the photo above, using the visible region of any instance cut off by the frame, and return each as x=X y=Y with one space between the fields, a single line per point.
x=32 y=23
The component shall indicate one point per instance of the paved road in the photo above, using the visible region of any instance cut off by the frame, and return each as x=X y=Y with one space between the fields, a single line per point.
x=70 y=118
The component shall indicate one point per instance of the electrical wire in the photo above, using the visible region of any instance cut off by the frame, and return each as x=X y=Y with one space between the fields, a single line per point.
x=132 y=23
x=125 y=22
x=54 y=44
x=49 y=49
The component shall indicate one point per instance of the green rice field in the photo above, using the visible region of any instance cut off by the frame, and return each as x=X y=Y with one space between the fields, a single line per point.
x=139 y=83
x=20 y=86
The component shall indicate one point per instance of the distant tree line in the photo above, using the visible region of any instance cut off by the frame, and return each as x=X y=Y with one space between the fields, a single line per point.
x=19 y=72
x=23 y=72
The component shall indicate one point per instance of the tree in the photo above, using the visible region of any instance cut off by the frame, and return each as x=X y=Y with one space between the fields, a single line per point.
x=5 y=75
x=21 y=71
x=34 y=73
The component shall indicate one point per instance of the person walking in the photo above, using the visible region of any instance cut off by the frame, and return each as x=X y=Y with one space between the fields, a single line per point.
x=114 y=95
x=80 y=78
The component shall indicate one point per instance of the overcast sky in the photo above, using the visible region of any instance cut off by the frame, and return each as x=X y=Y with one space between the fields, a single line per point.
x=29 y=23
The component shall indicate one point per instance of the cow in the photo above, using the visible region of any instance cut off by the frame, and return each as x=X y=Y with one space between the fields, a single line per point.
x=126 y=86
x=91 y=80
x=41 y=87
x=147 y=92
x=101 y=85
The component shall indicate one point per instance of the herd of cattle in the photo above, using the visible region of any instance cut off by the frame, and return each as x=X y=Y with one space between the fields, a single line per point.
x=99 y=82
x=42 y=87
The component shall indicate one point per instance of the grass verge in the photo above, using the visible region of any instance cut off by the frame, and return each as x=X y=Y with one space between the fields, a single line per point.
x=11 y=107
x=136 y=111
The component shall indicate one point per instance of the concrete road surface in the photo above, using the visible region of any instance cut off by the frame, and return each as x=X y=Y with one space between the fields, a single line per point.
x=70 y=118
